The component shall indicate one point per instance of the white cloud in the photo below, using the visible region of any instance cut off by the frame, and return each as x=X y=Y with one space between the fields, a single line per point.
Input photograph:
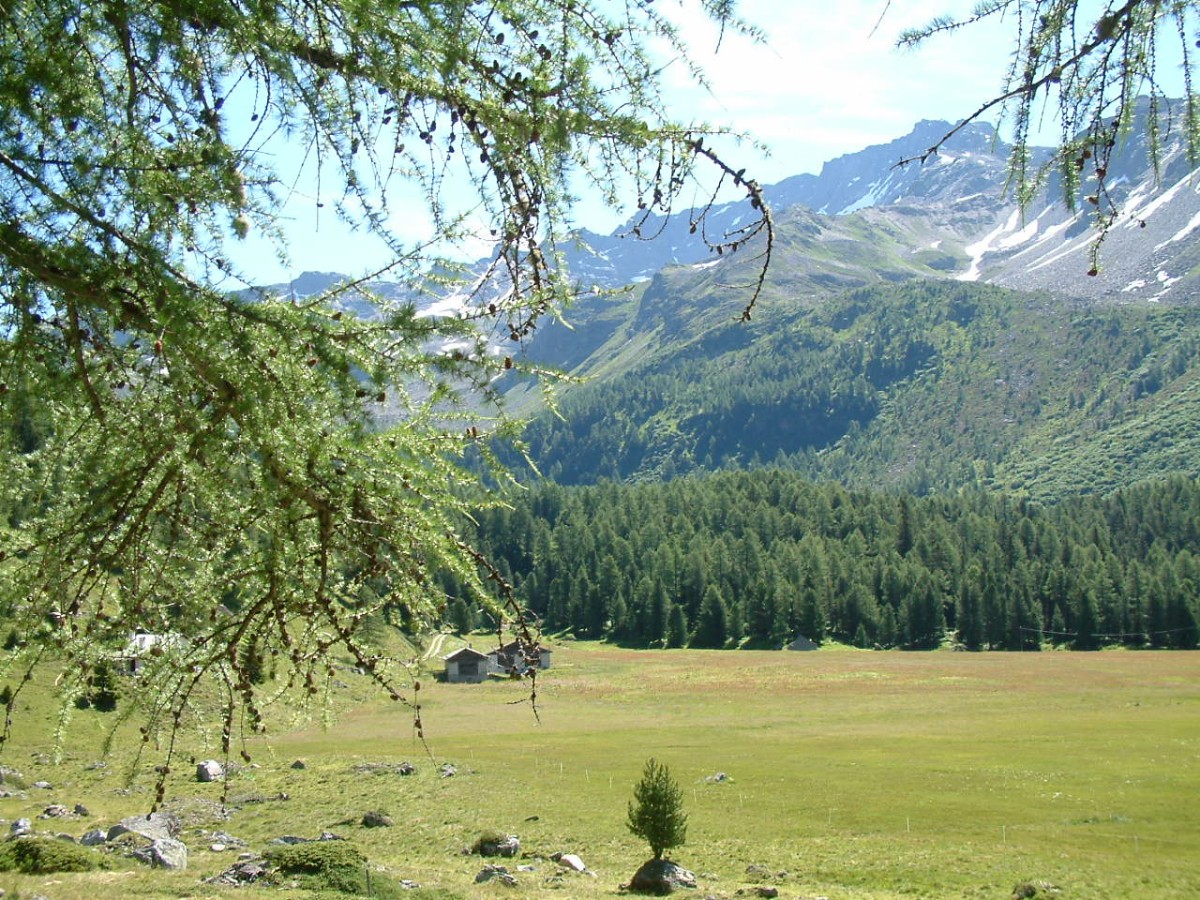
x=829 y=79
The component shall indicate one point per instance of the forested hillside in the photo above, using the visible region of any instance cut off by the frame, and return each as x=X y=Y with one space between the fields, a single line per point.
x=920 y=386
x=755 y=558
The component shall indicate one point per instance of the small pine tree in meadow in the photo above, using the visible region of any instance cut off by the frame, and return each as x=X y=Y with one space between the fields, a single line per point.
x=656 y=811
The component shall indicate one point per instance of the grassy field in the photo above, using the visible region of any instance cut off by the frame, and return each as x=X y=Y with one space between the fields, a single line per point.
x=858 y=774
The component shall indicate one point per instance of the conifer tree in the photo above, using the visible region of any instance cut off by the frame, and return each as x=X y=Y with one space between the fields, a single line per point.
x=656 y=812
x=173 y=437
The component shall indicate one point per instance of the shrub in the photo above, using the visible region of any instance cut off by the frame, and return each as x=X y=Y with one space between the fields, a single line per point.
x=332 y=866
x=656 y=811
x=44 y=856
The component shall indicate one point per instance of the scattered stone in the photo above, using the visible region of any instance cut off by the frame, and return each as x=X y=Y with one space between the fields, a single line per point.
x=525 y=867
x=497 y=873
x=260 y=798
x=299 y=765
x=289 y=839
x=329 y=836
x=768 y=893
x=94 y=838
x=20 y=828
x=43 y=785
x=246 y=871
x=448 y=770
x=98 y=765
x=718 y=778
x=227 y=840
x=661 y=876
x=404 y=768
x=81 y=810
x=209 y=770
x=1027 y=889
x=8 y=775
x=55 y=811
x=376 y=819
x=572 y=862
x=507 y=846
x=217 y=848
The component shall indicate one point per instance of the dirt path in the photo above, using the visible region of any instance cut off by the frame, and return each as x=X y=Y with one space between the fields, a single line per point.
x=435 y=646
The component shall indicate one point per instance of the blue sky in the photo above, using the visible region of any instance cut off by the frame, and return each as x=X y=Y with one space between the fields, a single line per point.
x=828 y=81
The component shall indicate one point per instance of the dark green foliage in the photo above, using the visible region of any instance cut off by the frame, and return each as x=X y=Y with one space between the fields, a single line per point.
x=712 y=622
x=44 y=856
x=769 y=556
x=918 y=386
x=656 y=811
x=101 y=689
x=332 y=866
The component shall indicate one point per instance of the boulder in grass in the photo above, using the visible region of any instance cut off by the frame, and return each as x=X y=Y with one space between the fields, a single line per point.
x=661 y=877
x=155 y=826
x=209 y=770
x=570 y=861
x=167 y=853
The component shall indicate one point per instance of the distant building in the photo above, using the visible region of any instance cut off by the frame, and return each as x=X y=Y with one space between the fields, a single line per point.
x=516 y=658
x=468 y=665
x=144 y=643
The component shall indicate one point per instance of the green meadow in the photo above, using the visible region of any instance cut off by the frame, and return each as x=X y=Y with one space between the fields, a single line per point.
x=848 y=774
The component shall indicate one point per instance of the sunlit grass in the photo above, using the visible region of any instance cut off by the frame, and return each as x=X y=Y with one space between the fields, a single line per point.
x=866 y=775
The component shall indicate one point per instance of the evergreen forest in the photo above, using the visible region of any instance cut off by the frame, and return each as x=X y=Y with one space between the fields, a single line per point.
x=758 y=558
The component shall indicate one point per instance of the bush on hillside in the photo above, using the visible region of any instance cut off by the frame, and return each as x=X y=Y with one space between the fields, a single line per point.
x=332 y=866
x=44 y=856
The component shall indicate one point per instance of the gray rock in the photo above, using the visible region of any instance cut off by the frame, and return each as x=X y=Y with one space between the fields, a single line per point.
x=661 y=876
x=55 y=811
x=20 y=828
x=94 y=838
x=226 y=840
x=496 y=873
x=156 y=826
x=81 y=810
x=8 y=774
x=572 y=862
x=166 y=853
x=43 y=785
x=299 y=764
x=245 y=872
x=209 y=770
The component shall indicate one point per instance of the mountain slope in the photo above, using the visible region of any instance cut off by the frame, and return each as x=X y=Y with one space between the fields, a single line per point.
x=923 y=385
